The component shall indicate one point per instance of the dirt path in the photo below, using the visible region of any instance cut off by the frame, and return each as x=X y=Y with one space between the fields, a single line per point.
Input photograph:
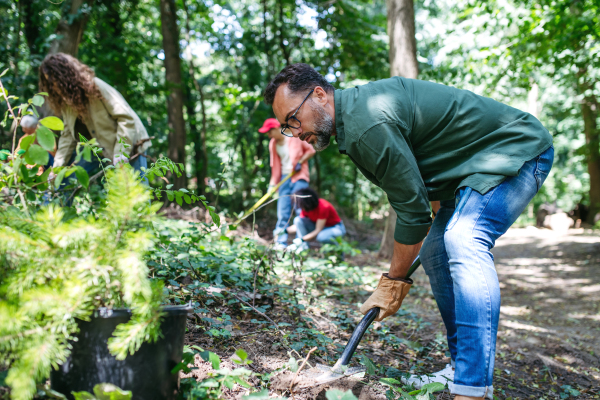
x=549 y=337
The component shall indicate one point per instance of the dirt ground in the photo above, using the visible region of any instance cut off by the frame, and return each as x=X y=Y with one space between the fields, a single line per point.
x=548 y=341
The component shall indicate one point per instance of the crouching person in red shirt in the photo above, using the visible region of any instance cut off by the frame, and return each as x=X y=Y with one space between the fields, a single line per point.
x=318 y=220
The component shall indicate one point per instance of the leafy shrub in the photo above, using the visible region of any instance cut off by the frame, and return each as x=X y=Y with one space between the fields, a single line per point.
x=58 y=270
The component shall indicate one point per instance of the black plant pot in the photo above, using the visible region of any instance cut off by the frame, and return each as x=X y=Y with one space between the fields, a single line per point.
x=147 y=373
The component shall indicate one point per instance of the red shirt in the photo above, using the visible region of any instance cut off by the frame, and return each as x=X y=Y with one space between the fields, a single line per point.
x=324 y=211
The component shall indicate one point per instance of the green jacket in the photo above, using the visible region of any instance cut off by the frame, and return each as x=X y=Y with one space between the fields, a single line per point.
x=421 y=141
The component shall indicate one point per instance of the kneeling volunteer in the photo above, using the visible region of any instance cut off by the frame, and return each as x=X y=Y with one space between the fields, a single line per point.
x=318 y=219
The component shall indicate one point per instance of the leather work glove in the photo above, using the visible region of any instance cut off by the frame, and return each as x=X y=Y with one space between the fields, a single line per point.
x=298 y=167
x=388 y=296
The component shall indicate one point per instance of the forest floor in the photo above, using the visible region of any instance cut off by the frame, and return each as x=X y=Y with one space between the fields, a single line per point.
x=548 y=340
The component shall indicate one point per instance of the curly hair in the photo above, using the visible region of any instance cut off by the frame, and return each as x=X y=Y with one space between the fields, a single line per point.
x=68 y=82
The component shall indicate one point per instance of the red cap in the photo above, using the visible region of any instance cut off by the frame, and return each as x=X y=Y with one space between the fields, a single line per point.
x=269 y=124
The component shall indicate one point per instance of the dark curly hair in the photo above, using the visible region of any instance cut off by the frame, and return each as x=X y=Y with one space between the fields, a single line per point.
x=307 y=199
x=300 y=78
x=68 y=82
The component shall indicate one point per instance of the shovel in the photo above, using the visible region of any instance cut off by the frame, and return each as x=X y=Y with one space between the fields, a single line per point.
x=322 y=374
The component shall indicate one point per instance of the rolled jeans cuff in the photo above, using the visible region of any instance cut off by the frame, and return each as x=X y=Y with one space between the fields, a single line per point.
x=473 y=391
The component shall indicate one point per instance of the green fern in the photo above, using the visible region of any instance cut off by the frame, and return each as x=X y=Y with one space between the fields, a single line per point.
x=55 y=271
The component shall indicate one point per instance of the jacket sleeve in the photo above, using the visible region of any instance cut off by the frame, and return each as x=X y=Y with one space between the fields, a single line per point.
x=120 y=111
x=66 y=142
x=385 y=153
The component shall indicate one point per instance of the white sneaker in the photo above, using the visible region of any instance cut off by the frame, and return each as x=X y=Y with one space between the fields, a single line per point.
x=445 y=376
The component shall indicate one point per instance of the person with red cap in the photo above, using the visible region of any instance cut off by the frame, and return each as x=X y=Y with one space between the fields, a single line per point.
x=287 y=154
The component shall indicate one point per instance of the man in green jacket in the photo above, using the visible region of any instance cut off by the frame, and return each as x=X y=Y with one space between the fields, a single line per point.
x=421 y=142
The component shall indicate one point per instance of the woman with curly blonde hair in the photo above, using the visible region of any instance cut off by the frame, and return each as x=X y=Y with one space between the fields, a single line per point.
x=75 y=93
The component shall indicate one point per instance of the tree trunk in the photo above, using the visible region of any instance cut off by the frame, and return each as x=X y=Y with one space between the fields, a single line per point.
x=589 y=111
x=71 y=26
x=175 y=98
x=403 y=62
x=200 y=153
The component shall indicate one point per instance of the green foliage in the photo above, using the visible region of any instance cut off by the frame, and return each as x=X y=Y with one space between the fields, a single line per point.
x=59 y=270
x=104 y=391
x=219 y=379
x=21 y=174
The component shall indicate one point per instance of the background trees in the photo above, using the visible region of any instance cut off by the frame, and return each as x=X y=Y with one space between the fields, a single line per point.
x=194 y=71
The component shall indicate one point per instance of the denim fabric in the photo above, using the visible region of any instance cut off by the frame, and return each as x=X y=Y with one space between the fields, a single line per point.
x=140 y=164
x=284 y=208
x=305 y=226
x=456 y=256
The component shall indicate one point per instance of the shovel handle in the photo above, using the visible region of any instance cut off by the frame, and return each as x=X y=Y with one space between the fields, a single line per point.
x=364 y=324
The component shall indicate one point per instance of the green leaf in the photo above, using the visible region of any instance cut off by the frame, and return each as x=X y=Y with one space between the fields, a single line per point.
x=36 y=155
x=108 y=391
x=53 y=123
x=27 y=141
x=37 y=100
x=335 y=394
x=179 y=198
x=4 y=72
x=390 y=381
x=211 y=357
x=169 y=186
x=214 y=216
x=45 y=138
x=187 y=199
x=82 y=177
x=243 y=357
x=433 y=387
x=83 y=396
x=87 y=153
x=182 y=190
x=170 y=195
x=59 y=178
x=293 y=364
x=262 y=395
x=371 y=369
x=53 y=394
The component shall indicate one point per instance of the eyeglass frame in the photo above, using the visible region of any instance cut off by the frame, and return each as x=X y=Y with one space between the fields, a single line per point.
x=293 y=116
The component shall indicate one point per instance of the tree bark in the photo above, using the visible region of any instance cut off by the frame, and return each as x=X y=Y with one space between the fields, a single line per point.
x=403 y=62
x=175 y=98
x=69 y=33
x=589 y=112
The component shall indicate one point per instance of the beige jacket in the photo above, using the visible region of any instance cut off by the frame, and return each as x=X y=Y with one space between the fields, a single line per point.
x=108 y=120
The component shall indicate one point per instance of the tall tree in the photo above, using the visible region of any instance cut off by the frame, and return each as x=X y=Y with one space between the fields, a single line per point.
x=71 y=26
x=175 y=97
x=565 y=35
x=200 y=152
x=403 y=62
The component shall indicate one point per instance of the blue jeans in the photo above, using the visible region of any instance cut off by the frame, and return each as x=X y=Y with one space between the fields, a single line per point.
x=284 y=208
x=305 y=226
x=456 y=256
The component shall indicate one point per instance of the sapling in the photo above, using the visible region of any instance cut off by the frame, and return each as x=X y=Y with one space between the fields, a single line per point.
x=57 y=271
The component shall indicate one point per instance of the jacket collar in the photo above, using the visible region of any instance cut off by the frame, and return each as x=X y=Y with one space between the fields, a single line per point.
x=340 y=136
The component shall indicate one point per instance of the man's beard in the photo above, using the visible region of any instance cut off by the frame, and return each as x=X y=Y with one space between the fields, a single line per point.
x=323 y=128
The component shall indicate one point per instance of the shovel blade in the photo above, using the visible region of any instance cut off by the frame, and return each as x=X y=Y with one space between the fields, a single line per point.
x=322 y=374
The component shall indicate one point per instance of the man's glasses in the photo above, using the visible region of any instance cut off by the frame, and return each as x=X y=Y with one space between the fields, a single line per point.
x=292 y=122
